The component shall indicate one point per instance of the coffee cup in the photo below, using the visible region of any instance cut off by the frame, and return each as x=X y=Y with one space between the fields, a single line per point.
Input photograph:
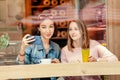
x=45 y=61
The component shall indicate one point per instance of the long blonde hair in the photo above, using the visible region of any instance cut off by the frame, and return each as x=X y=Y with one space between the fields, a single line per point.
x=85 y=38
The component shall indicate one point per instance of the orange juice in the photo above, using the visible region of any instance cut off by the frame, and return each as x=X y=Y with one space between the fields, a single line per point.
x=85 y=55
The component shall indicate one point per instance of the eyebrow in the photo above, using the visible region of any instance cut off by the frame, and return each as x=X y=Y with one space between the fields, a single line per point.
x=45 y=25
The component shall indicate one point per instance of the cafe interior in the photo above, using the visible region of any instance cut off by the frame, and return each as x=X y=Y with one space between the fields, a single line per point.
x=18 y=17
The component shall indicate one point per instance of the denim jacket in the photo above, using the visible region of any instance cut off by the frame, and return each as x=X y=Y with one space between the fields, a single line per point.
x=35 y=52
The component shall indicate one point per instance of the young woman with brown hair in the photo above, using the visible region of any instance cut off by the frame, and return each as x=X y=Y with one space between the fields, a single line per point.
x=78 y=39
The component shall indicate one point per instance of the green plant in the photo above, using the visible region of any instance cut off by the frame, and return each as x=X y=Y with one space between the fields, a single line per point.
x=4 y=40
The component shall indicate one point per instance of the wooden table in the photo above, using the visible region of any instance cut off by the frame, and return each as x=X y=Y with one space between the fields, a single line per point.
x=50 y=70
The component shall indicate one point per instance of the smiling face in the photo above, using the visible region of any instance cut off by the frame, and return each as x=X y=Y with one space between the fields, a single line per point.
x=78 y=34
x=74 y=31
x=47 y=29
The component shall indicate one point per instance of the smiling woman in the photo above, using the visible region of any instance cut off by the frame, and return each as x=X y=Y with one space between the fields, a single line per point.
x=80 y=49
x=44 y=48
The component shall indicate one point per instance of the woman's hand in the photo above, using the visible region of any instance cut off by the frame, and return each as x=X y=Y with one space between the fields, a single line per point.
x=55 y=60
x=92 y=59
x=26 y=40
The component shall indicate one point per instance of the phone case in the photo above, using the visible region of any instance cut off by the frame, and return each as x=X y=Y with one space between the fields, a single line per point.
x=37 y=40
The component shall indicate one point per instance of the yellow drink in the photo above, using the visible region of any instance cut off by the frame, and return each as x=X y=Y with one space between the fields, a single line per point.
x=85 y=55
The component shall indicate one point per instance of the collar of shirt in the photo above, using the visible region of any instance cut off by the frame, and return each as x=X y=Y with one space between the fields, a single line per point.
x=40 y=45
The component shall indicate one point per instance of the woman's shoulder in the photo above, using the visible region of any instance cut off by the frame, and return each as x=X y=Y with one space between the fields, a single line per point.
x=65 y=48
x=54 y=44
x=94 y=43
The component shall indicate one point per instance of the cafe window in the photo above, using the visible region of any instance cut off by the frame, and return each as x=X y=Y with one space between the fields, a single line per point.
x=18 y=17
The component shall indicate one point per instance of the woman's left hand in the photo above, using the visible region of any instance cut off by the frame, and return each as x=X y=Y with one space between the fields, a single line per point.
x=92 y=59
x=55 y=60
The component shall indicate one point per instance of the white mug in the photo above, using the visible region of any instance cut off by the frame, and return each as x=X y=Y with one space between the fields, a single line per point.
x=45 y=61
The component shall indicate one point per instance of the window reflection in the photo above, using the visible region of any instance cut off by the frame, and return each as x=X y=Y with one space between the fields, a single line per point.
x=18 y=17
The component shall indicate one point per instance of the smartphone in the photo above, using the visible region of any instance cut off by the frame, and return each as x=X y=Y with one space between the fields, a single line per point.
x=37 y=40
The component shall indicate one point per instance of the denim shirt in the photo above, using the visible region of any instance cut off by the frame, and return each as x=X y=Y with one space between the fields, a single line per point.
x=35 y=52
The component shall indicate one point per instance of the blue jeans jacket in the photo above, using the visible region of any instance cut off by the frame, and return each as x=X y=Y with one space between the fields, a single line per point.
x=35 y=52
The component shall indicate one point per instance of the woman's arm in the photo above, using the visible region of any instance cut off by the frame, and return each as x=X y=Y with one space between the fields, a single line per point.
x=21 y=55
x=105 y=54
x=58 y=53
x=25 y=43
x=63 y=55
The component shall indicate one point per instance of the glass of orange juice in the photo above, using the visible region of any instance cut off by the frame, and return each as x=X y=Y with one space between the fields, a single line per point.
x=85 y=55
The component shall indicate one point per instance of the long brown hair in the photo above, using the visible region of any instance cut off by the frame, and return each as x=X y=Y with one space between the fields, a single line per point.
x=85 y=38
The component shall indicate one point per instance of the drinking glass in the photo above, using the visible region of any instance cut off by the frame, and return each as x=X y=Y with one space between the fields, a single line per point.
x=85 y=55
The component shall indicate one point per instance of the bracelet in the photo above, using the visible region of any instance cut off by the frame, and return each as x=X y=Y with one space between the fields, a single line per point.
x=22 y=54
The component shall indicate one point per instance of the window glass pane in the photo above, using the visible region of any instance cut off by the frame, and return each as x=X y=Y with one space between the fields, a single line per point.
x=93 y=13
x=19 y=17
x=11 y=12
